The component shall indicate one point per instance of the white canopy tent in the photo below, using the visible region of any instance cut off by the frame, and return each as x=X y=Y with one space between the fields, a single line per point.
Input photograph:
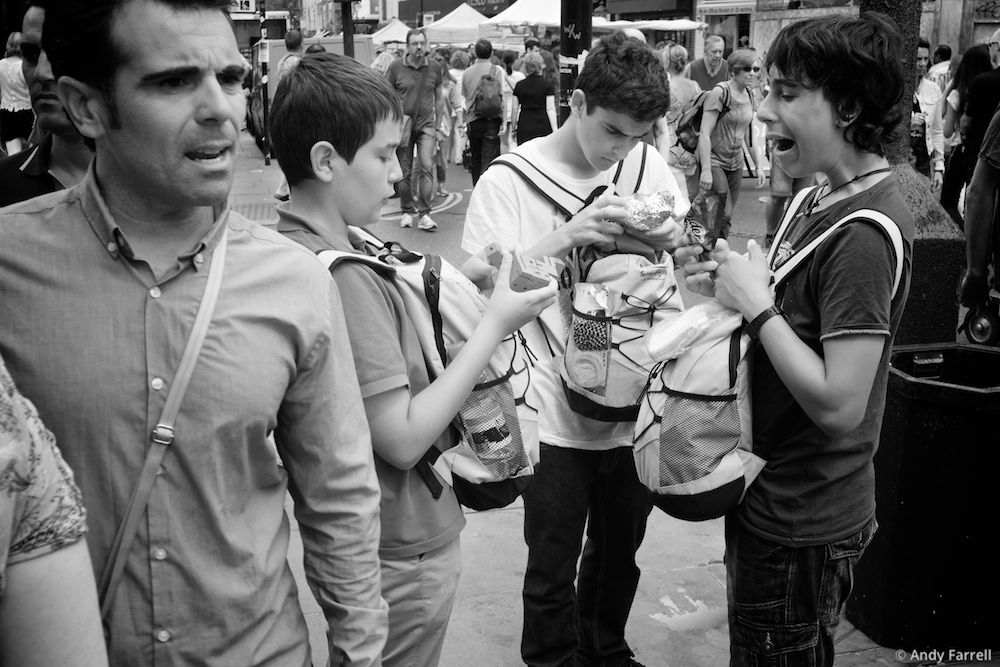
x=394 y=31
x=548 y=13
x=460 y=26
x=525 y=12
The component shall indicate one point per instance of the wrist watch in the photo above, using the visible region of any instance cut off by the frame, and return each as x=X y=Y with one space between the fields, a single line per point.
x=752 y=328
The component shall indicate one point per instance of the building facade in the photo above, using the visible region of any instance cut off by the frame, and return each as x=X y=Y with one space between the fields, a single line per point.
x=957 y=23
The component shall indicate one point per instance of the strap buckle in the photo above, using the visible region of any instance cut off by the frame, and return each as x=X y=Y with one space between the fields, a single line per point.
x=163 y=434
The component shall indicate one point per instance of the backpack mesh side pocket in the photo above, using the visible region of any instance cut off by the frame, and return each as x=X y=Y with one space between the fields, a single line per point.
x=588 y=352
x=696 y=433
x=491 y=427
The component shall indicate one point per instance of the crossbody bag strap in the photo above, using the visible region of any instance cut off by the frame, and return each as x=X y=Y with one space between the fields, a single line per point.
x=163 y=435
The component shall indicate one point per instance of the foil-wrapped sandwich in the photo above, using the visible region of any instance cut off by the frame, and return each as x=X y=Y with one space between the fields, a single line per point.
x=647 y=212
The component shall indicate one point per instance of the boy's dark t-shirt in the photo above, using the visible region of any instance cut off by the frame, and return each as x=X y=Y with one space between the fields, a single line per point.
x=815 y=488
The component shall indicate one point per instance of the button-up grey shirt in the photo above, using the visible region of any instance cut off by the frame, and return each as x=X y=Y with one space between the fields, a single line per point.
x=93 y=339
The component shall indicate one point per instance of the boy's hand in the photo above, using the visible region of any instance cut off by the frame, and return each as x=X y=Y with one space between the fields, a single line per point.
x=509 y=310
x=480 y=272
x=597 y=223
x=665 y=237
x=698 y=272
x=742 y=283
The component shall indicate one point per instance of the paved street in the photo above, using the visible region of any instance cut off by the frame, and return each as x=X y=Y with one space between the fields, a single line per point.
x=679 y=615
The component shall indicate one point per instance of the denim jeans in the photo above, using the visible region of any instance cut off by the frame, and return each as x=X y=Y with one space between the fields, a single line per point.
x=573 y=489
x=484 y=144
x=423 y=140
x=727 y=183
x=785 y=602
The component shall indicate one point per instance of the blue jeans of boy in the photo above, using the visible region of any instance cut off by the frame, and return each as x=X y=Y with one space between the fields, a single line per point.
x=574 y=490
x=785 y=602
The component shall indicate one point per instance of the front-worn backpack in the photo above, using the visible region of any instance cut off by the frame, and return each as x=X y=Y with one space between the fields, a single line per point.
x=497 y=430
x=693 y=439
x=615 y=297
x=689 y=125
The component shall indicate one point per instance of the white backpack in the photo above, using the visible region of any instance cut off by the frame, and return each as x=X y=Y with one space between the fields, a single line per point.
x=497 y=429
x=693 y=439
x=605 y=366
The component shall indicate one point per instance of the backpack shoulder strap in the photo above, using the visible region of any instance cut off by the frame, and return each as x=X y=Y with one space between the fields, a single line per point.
x=884 y=222
x=786 y=221
x=631 y=169
x=334 y=258
x=544 y=185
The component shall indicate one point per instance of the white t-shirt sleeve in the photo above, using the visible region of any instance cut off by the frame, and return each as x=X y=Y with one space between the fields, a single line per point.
x=493 y=214
x=953 y=99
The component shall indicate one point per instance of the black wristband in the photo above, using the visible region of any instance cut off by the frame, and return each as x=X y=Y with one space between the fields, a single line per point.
x=753 y=328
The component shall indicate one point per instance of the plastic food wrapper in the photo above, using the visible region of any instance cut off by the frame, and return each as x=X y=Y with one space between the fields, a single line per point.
x=647 y=212
x=701 y=218
x=594 y=299
x=671 y=338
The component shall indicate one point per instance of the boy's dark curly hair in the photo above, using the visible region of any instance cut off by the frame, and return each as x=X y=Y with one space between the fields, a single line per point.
x=857 y=62
x=625 y=75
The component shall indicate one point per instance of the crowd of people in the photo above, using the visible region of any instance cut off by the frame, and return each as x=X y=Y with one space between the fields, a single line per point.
x=170 y=371
x=444 y=124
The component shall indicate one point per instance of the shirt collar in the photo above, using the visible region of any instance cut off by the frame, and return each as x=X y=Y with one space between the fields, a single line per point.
x=289 y=221
x=37 y=162
x=420 y=65
x=113 y=237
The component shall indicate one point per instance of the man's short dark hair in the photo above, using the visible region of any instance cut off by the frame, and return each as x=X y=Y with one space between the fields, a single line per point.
x=484 y=49
x=922 y=43
x=532 y=43
x=625 y=75
x=327 y=97
x=867 y=83
x=78 y=39
x=293 y=40
x=415 y=31
x=942 y=53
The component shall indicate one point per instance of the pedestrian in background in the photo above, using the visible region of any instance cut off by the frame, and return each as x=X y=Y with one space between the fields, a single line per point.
x=926 y=135
x=533 y=111
x=484 y=127
x=725 y=126
x=62 y=157
x=16 y=117
x=458 y=141
x=417 y=79
x=712 y=69
x=960 y=165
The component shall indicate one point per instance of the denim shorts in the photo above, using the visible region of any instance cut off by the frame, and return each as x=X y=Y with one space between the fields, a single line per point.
x=785 y=602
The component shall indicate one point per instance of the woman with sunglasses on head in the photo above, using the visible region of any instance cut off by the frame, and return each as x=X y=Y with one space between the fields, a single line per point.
x=725 y=124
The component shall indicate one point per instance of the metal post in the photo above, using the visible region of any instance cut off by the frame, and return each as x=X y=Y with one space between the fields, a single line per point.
x=574 y=39
x=347 y=18
x=265 y=141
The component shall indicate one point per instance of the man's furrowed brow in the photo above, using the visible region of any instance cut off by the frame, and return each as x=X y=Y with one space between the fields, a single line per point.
x=181 y=72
